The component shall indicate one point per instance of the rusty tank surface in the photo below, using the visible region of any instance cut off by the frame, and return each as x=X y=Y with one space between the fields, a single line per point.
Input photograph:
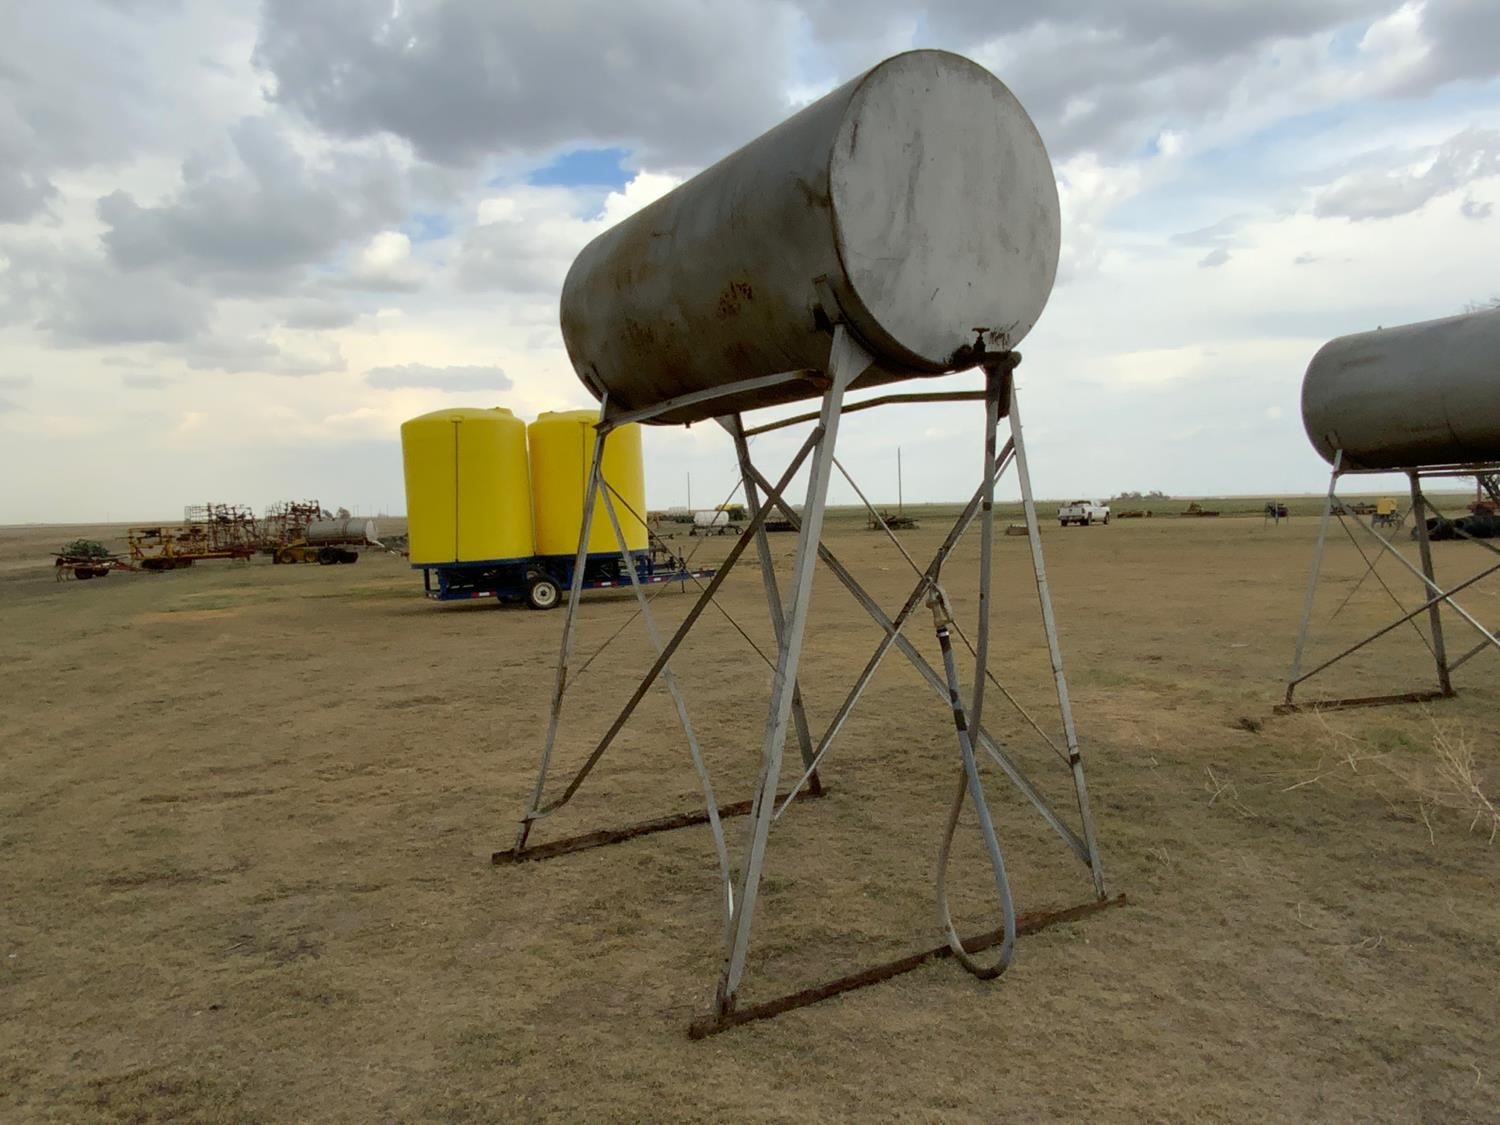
x=1418 y=395
x=916 y=203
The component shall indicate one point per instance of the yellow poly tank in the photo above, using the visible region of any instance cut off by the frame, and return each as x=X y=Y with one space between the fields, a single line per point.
x=468 y=498
x=562 y=443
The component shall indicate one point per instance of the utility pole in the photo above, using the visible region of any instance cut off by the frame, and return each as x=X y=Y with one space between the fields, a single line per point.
x=900 y=491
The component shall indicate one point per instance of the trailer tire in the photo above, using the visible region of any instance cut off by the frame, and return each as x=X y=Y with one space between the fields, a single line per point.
x=542 y=593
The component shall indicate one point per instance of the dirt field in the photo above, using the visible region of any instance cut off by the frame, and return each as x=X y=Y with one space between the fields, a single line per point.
x=246 y=815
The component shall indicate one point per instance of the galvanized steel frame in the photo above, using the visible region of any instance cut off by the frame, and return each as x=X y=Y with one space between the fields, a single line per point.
x=848 y=360
x=1436 y=596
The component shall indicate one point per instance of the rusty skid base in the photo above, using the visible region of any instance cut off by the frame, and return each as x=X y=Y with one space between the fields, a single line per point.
x=1360 y=701
x=604 y=836
x=1025 y=924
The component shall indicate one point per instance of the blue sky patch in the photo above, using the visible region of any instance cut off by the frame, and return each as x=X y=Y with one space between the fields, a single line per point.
x=426 y=226
x=585 y=167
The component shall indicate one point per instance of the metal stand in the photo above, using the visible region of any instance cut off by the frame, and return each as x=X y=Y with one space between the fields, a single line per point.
x=789 y=616
x=1435 y=597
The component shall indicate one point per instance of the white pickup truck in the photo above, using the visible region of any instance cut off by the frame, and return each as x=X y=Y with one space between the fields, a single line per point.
x=1083 y=512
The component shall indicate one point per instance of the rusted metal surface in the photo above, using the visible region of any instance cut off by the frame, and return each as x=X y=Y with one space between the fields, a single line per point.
x=604 y=836
x=1359 y=701
x=1415 y=395
x=741 y=273
x=1030 y=923
x=208 y=531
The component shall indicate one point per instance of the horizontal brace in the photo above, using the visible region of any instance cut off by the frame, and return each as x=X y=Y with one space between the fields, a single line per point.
x=1358 y=701
x=883 y=400
x=712 y=394
x=1025 y=924
x=605 y=836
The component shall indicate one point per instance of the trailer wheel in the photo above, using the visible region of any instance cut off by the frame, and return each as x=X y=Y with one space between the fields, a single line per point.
x=543 y=593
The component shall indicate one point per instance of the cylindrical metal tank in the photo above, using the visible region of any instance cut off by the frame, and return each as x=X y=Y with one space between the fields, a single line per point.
x=348 y=531
x=1415 y=395
x=468 y=497
x=918 y=198
x=562 y=444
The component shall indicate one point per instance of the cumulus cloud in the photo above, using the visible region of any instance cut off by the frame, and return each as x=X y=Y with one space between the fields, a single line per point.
x=261 y=208
x=90 y=305
x=1476 y=209
x=385 y=265
x=1415 y=179
x=421 y=376
x=676 y=80
x=525 y=240
x=94 y=83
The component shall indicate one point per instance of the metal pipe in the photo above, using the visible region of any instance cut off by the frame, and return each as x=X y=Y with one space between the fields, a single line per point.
x=935 y=682
x=968 y=782
x=993 y=382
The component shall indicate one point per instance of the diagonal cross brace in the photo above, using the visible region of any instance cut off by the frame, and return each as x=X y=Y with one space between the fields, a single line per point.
x=937 y=683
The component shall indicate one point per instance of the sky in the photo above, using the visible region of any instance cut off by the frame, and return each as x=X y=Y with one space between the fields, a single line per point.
x=241 y=242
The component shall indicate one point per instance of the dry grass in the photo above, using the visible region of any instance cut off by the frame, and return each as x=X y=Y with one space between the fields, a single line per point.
x=1441 y=776
x=245 y=855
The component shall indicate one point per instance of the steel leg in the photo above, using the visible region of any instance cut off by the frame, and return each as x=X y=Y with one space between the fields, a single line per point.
x=1295 y=675
x=1424 y=548
x=847 y=361
x=1054 y=647
x=565 y=654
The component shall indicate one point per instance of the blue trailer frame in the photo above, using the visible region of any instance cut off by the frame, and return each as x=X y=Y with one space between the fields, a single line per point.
x=516 y=580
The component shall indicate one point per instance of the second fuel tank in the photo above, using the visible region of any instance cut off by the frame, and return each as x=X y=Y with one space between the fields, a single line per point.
x=1417 y=395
